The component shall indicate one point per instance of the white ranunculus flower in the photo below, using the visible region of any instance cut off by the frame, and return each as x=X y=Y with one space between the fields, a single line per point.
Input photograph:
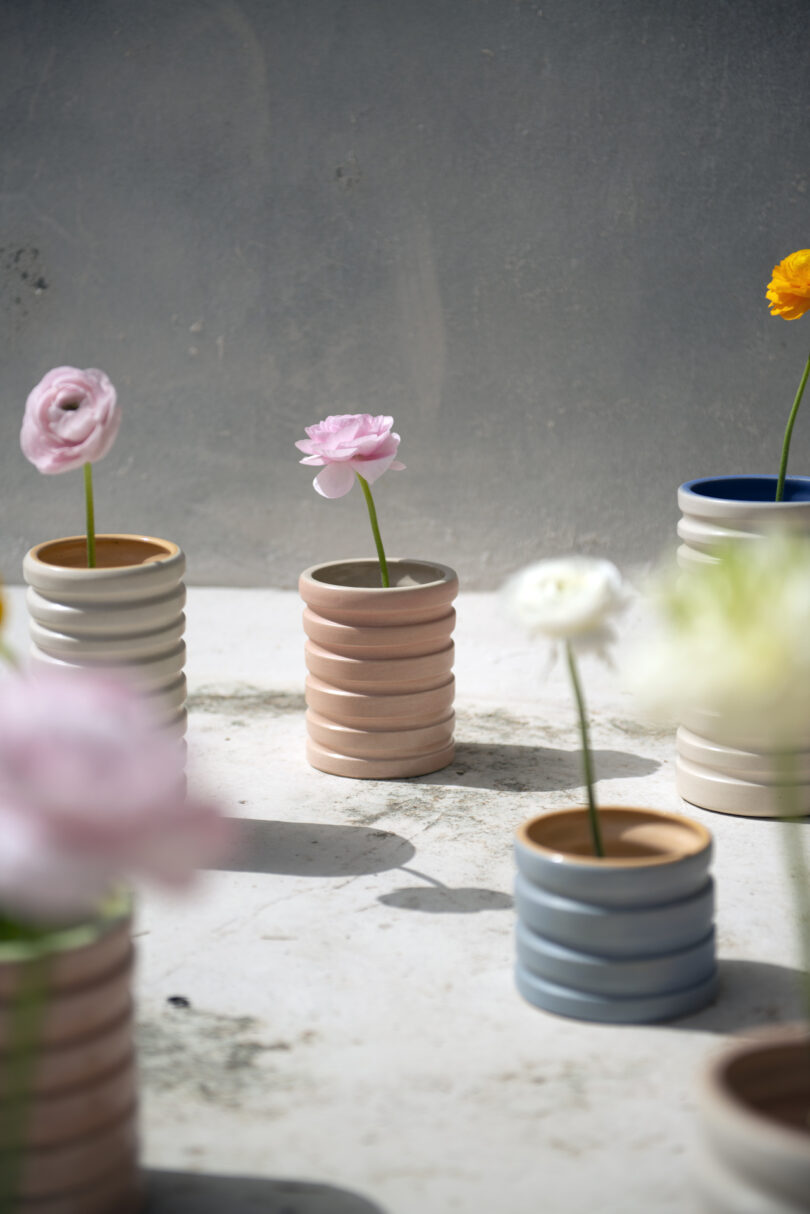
x=571 y=598
x=570 y=601
x=732 y=639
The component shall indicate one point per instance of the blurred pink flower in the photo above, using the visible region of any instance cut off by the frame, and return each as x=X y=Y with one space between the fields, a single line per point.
x=71 y=418
x=92 y=793
x=347 y=443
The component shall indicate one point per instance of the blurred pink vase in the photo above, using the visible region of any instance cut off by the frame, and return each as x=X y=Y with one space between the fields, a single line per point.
x=92 y=798
x=74 y=1149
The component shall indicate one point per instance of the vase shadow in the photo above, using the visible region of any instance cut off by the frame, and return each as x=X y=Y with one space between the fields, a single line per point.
x=509 y=767
x=192 y=1193
x=314 y=849
x=751 y=994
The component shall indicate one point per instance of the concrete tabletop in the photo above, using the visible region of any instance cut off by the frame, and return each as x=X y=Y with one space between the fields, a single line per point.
x=329 y=1025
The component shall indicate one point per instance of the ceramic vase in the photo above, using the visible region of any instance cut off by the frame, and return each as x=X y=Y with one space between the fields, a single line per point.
x=628 y=938
x=754 y=1108
x=716 y=767
x=380 y=685
x=125 y=614
x=68 y=1097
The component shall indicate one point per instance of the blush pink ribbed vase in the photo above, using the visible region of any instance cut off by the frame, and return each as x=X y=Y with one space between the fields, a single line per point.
x=380 y=685
x=68 y=1098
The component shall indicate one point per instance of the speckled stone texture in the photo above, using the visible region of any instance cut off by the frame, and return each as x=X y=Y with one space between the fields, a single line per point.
x=332 y=1021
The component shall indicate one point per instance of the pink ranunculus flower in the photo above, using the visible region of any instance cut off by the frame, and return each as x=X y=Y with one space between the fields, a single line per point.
x=347 y=443
x=92 y=794
x=71 y=418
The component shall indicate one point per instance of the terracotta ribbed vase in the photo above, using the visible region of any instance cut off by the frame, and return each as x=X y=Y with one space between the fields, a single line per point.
x=628 y=938
x=380 y=684
x=717 y=768
x=70 y=1140
x=125 y=614
x=754 y=1111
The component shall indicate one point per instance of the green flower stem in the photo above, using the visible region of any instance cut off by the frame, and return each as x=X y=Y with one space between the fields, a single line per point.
x=587 y=765
x=26 y=1017
x=780 y=484
x=792 y=833
x=8 y=655
x=91 y=518
x=375 y=527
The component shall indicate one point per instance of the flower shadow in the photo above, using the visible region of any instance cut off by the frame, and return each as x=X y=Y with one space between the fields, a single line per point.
x=751 y=995
x=314 y=849
x=439 y=899
x=510 y=767
x=192 y=1193
x=447 y=901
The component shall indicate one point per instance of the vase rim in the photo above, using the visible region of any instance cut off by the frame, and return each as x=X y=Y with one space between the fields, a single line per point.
x=752 y=488
x=319 y=574
x=687 y=829
x=67 y=938
x=156 y=550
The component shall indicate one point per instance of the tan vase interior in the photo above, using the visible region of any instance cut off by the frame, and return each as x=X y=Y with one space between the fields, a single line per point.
x=112 y=551
x=629 y=835
x=79 y=1154
x=774 y=1083
x=380 y=685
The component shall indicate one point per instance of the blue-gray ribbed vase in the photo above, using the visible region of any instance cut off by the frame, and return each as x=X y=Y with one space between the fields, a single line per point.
x=626 y=939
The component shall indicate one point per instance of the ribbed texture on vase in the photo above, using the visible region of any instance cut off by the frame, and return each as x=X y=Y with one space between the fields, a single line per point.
x=380 y=686
x=636 y=944
x=79 y=1152
x=123 y=617
x=748 y=783
x=715 y=770
x=713 y=511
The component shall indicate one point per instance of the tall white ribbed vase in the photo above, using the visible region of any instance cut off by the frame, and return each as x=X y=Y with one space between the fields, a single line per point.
x=125 y=614
x=717 y=768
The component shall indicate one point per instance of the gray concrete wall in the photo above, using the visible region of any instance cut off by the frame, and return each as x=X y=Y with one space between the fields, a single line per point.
x=537 y=232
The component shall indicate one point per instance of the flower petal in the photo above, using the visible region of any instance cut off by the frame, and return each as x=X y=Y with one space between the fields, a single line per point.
x=91 y=794
x=372 y=469
x=335 y=480
x=71 y=418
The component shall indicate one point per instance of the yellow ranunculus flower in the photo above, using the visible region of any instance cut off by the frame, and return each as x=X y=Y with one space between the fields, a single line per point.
x=789 y=289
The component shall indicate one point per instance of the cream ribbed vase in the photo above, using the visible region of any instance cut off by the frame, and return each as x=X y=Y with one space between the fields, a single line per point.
x=716 y=767
x=126 y=614
x=380 y=685
x=70 y=1143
